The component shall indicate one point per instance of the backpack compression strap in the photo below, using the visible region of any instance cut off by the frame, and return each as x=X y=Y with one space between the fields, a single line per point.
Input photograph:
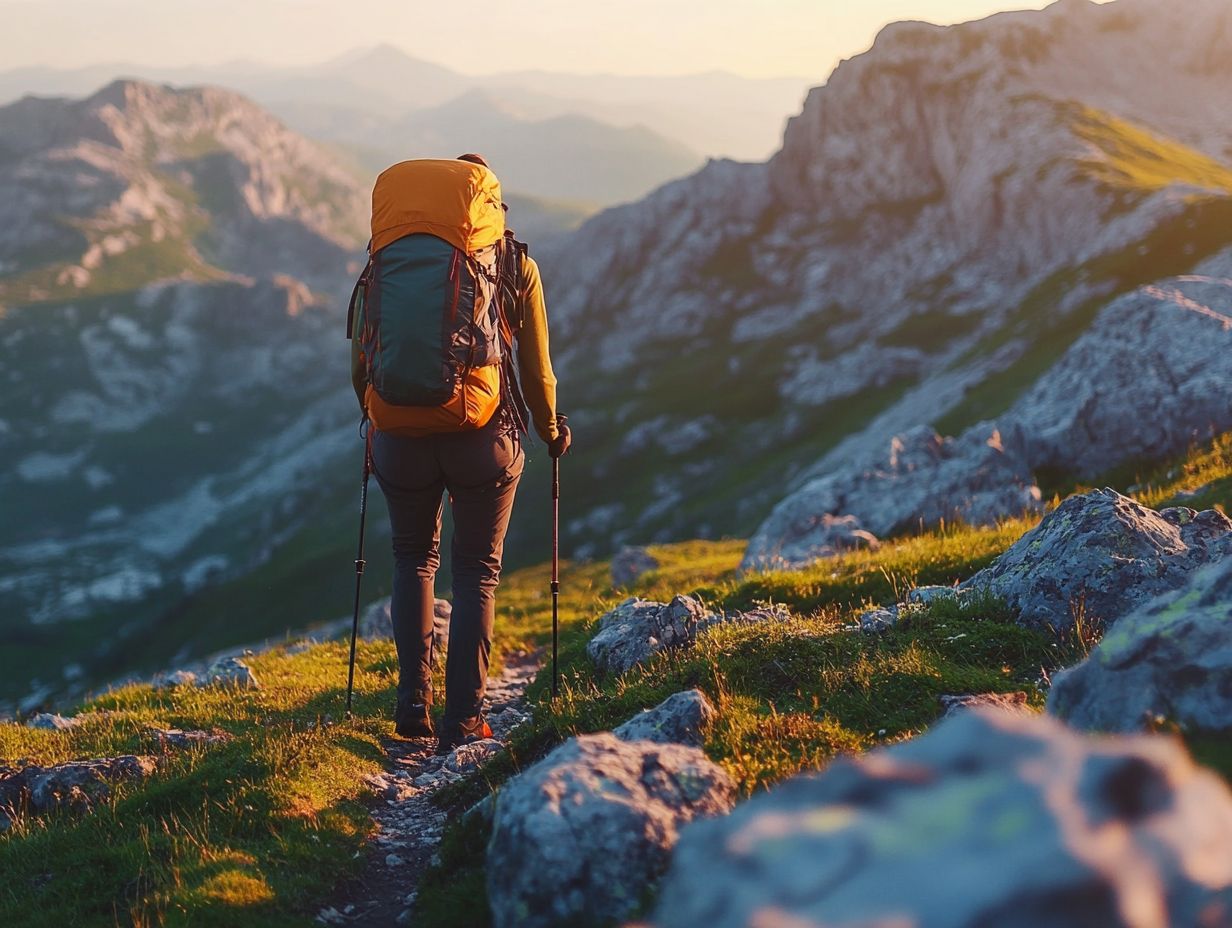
x=509 y=308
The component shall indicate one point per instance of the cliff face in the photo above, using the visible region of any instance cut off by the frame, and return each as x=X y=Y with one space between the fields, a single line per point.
x=945 y=216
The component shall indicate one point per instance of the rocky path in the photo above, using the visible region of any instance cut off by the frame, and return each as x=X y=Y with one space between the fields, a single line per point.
x=409 y=824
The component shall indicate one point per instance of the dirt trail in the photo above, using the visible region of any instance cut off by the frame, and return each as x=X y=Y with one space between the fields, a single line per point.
x=409 y=824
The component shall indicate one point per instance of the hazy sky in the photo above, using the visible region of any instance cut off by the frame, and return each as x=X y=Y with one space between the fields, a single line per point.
x=752 y=37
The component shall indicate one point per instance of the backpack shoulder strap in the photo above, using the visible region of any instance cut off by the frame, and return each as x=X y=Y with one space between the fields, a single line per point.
x=513 y=283
x=357 y=294
x=509 y=307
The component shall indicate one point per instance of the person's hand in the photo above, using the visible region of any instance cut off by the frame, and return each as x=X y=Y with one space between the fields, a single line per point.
x=560 y=444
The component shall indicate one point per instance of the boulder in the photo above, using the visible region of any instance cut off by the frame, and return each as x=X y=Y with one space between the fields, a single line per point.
x=879 y=620
x=1148 y=379
x=375 y=623
x=629 y=565
x=1170 y=658
x=231 y=671
x=76 y=785
x=924 y=480
x=584 y=834
x=679 y=719
x=991 y=818
x=1100 y=554
x=638 y=629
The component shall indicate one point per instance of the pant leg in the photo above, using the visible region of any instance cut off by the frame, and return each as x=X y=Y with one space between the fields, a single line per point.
x=410 y=476
x=482 y=471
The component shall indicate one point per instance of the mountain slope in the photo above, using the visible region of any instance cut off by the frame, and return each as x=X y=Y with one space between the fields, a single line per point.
x=949 y=211
x=175 y=268
x=138 y=182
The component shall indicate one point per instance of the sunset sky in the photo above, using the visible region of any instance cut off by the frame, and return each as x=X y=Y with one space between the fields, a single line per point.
x=757 y=38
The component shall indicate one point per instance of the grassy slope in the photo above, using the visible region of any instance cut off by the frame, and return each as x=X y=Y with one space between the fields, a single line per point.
x=263 y=830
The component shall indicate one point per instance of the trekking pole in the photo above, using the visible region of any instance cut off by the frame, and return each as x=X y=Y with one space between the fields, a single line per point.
x=359 y=565
x=555 y=571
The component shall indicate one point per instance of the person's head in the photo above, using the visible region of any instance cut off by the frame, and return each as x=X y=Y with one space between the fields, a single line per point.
x=473 y=159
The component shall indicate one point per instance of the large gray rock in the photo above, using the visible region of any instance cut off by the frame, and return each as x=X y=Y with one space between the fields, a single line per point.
x=629 y=565
x=1102 y=553
x=924 y=480
x=638 y=629
x=680 y=719
x=1171 y=657
x=76 y=785
x=580 y=837
x=1151 y=377
x=990 y=819
x=231 y=671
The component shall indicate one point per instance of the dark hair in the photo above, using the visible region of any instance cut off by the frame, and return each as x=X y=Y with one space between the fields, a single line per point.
x=473 y=158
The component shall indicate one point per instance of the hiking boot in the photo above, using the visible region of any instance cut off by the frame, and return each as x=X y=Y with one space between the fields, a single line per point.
x=414 y=719
x=456 y=734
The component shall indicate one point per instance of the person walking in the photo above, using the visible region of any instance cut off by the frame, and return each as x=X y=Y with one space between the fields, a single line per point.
x=498 y=374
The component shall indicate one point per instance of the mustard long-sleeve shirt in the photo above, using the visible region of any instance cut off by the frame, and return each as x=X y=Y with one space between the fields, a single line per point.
x=534 y=361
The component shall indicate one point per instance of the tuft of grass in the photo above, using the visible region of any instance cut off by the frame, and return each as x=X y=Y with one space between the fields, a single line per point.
x=1127 y=156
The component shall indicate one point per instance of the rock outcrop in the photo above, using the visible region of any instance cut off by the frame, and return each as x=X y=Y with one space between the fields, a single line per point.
x=231 y=671
x=1150 y=378
x=582 y=836
x=1100 y=554
x=53 y=721
x=680 y=719
x=1170 y=660
x=629 y=564
x=637 y=629
x=923 y=481
x=78 y=785
x=991 y=818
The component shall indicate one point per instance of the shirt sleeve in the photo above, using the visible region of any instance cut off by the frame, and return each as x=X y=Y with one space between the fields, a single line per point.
x=534 y=361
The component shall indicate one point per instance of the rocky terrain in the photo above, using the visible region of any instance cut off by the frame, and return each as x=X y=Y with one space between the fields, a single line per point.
x=948 y=215
x=710 y=756
x=922 y=318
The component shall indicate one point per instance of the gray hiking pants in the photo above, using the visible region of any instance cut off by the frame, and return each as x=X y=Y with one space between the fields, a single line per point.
x=480 y=471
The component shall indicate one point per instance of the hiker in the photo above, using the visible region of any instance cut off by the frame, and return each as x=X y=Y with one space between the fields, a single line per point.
x=449 y=349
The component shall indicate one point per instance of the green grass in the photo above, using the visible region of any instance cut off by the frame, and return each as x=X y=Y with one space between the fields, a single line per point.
x=1135 y=159
x=251 y=832
x=1201 y=480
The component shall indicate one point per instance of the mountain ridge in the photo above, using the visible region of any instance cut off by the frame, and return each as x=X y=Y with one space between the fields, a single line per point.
x=932 y=213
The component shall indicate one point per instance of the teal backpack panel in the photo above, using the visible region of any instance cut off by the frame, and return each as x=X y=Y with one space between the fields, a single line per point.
x=410 y=299
x=425 y=314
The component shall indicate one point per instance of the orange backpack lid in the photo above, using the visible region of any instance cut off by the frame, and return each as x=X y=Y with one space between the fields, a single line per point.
x=457 y=201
